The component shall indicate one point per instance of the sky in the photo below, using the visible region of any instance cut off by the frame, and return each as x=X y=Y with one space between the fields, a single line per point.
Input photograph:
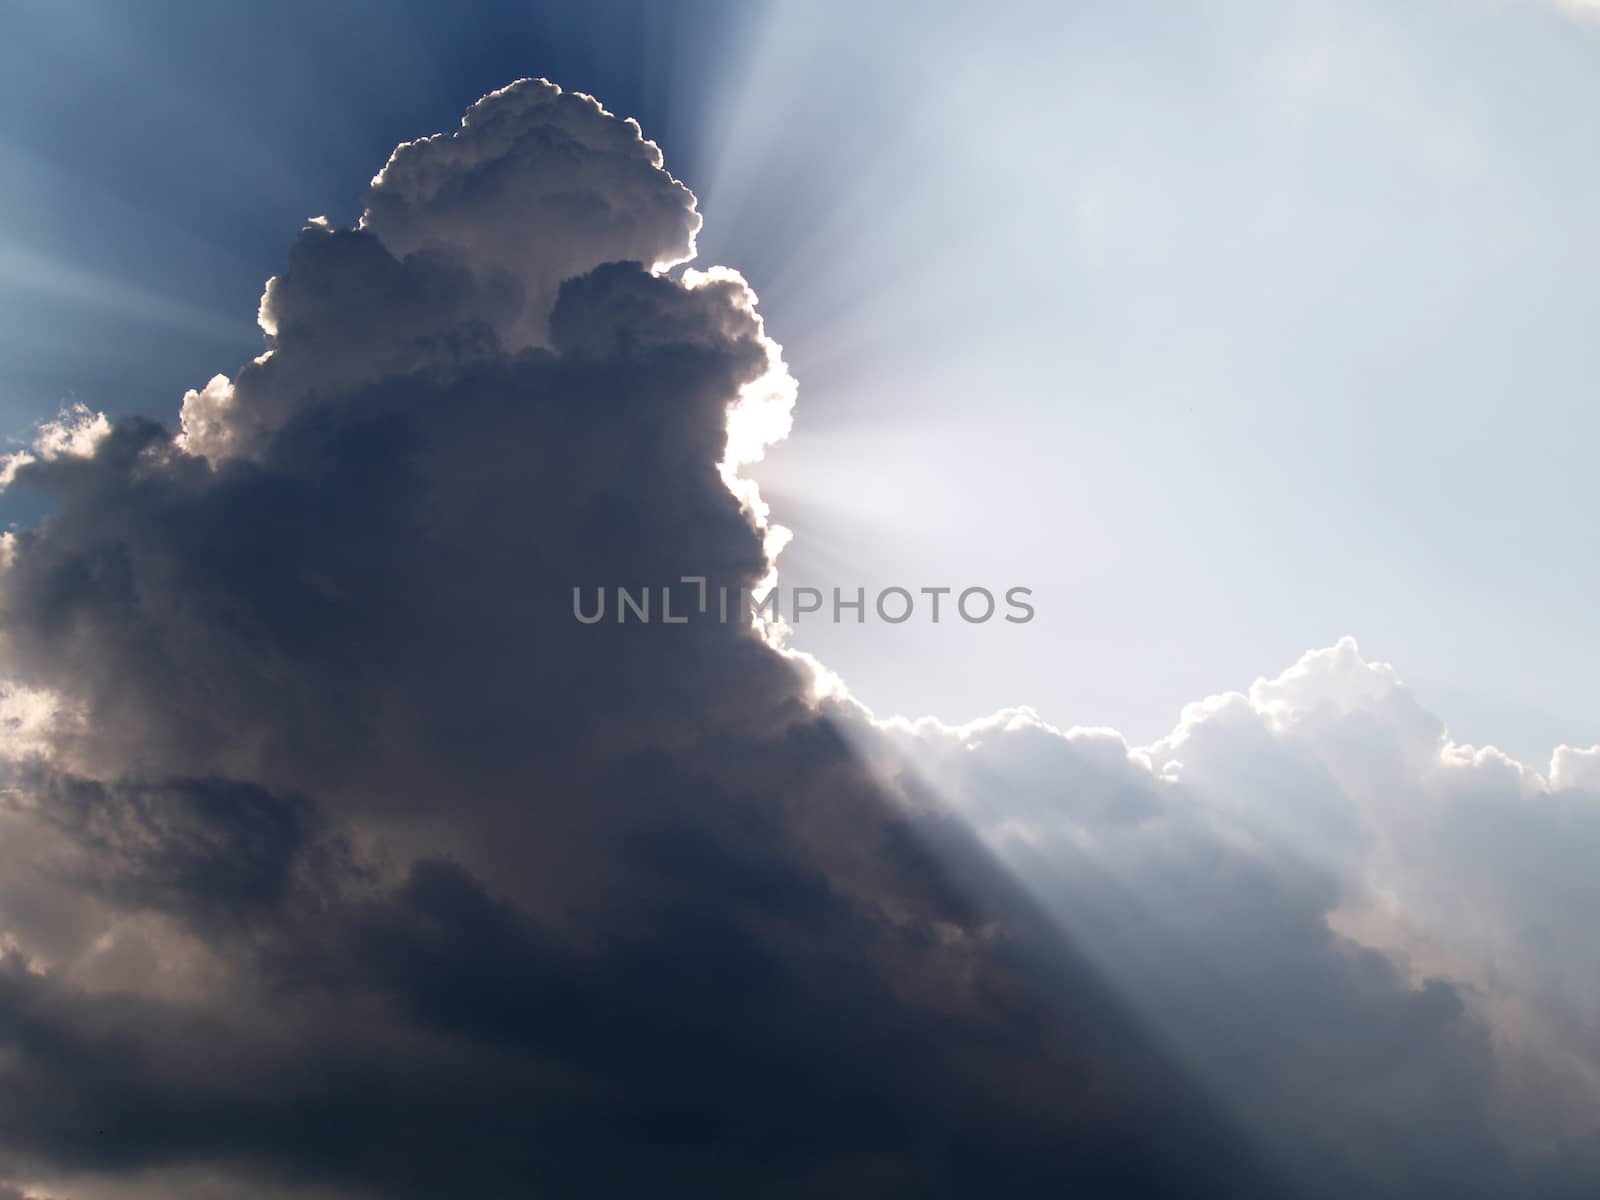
x=338 y=859
x=1256 y=325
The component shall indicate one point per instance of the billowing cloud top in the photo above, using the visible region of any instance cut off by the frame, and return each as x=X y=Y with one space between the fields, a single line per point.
x=339 y=860
x=537 y=186
x=471 y=235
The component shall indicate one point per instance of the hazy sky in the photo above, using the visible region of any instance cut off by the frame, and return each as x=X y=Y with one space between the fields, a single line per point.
x=1229 y=327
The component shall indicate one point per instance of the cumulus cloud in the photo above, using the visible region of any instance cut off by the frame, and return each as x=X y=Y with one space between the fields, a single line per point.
x=338 y=860
x=1368 y=939
x=76 y=431
x=467 y=236
x=537 y=186
x=1578 y=770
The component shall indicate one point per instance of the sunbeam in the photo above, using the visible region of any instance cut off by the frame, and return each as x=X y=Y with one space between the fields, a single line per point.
x=664 y=660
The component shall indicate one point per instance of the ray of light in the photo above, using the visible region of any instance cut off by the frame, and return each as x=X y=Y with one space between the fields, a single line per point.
x=31 y=273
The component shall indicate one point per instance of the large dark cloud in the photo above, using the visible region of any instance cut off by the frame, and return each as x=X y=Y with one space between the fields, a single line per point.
x=339 y=860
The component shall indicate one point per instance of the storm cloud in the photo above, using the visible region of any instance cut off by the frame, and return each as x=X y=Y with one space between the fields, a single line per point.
x=339 y=860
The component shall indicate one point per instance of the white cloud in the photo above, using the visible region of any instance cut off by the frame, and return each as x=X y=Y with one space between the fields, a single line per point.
x=1576 y=769
x=75 y=433
x=1322 y=808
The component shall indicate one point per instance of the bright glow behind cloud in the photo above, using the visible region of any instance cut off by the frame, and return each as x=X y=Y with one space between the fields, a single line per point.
x=282 y=665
